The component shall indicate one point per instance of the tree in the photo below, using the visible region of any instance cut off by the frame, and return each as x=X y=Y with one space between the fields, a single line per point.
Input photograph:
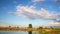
x=30 y=25
x=9 y=26
x=40 y=27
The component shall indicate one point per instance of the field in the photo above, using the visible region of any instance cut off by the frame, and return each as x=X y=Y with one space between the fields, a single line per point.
x=49 y=31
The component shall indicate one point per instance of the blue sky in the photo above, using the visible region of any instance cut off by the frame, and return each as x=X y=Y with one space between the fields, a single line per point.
x=24 y=12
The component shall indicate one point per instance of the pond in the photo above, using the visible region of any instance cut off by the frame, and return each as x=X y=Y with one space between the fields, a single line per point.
x=16 y=32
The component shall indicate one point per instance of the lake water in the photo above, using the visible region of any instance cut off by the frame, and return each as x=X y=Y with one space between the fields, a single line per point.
x=15 y=32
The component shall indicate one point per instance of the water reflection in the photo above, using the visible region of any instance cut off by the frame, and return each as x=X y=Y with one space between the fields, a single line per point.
x=17 y=32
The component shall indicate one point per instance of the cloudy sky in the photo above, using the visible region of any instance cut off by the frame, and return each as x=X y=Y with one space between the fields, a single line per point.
x=35 y=12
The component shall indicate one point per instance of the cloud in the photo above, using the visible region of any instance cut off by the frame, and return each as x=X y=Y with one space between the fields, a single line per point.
x=55 y=23
x=37 y=1
x=30 y=13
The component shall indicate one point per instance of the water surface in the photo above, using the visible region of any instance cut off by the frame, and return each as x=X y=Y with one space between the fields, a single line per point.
x=13 y=32
x=16 y=32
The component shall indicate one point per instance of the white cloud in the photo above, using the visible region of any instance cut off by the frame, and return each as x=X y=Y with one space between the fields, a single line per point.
x=31 y=13
x=55 y=23
x=37 y=0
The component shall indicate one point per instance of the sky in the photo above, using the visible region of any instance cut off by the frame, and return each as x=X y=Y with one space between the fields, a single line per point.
x=35 y=12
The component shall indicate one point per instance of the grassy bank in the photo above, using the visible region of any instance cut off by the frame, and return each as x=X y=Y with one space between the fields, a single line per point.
x=49 y=31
